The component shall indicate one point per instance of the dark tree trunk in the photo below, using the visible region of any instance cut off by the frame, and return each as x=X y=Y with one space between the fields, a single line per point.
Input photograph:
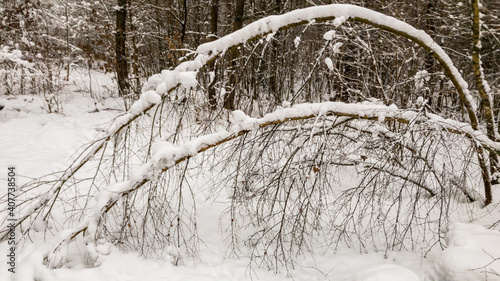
x=275 y=63
x=120 y=49
x=239 y=11
x=214 y=17
x=184 y=22
x=429 y=61
x=136 y=85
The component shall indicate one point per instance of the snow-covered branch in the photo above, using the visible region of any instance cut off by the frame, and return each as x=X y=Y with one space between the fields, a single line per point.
x=339 y=13
x=160 y=85
x=14 y=56
x=184 y=73
x=167 y=155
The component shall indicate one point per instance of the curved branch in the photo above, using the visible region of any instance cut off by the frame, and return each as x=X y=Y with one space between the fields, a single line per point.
x=340 y=13
x=169 y=80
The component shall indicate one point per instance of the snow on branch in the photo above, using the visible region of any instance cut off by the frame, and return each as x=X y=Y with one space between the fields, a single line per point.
x=185 y=73
x=339 y=13
x=168 y=155
x=14 y=56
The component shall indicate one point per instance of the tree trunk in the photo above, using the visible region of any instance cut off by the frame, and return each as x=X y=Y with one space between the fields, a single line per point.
x=273 y=79
x=214 y=17
x=120 y=49
x=184 y=22
x=136 y=85
x=484 y=93
x=239 y=11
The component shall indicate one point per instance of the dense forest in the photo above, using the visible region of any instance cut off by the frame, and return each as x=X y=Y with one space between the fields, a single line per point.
x=265 y=106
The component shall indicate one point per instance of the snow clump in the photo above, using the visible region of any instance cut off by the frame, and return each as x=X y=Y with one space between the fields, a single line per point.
x=188 y=79
x=329 y=35
x=339 y=21
x=421 y=78
x=151 y=96
x=296 y=41
x=336 y=47
x=329 y=63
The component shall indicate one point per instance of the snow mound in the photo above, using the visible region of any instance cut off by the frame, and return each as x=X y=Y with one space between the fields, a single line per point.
x=472 y=254
x=387 y=272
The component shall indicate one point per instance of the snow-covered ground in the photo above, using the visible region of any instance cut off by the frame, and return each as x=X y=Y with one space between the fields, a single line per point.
x=38 y=143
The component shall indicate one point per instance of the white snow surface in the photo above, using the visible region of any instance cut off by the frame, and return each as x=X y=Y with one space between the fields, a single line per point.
x=387 y=272
x=471 y=251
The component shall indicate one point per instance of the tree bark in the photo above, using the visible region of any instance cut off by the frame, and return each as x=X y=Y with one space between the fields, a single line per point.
x=214 y=17
x=136 y=85
x=120 y=49
x=239 y=12
x=486 y=99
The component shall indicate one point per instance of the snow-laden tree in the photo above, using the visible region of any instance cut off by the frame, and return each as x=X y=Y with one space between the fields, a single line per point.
x=281 y=171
